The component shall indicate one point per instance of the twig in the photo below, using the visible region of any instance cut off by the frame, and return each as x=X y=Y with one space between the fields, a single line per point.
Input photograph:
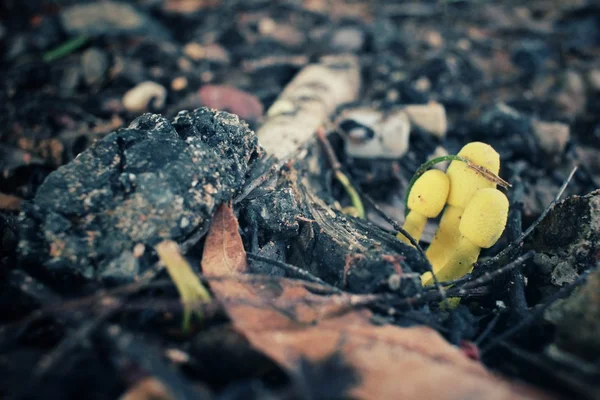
x=536 y=314
x=488 y=329
x=481 y=268
x=307 y=102
x=339 y=174
x=489 y=276
x=294 y=270
x=412 y=241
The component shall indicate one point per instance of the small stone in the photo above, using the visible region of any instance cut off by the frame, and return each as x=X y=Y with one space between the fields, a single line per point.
x=184 y=64
x=109 y=18
x=70 y=79
x=348 y=39
x=194 y=50
x=572 y=98
x=94 y=63
x=552 y=136
x=429 y=117
x=179 y=83
x=139 y=98
x=593 y=77
x=212 y=52
x=577 y=320
x=370 y=133
x=434 y=39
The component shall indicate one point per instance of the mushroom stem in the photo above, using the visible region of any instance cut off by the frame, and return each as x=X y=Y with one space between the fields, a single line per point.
x=425 y=200
x=446 y=237
x=414 y=225
x=459 y=264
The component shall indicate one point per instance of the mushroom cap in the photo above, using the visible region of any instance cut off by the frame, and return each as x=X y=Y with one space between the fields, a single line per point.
x=429 y=193
x=465 y=181
x=485 y=217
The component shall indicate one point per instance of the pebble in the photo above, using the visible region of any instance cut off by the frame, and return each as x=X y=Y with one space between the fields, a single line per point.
x=552 y=136
x=70 y=78
x=369 y=133
x=572 y=98
x=429 y=117
x=593 y=77
x=138 y=99
x=212 y=52
x=348 y=39
x=179 y=83
x=109 y=18
x=94 y=63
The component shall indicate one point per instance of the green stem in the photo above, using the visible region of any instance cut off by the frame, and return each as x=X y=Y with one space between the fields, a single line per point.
x=65 y=49
x=354 y=196
x=422 y=169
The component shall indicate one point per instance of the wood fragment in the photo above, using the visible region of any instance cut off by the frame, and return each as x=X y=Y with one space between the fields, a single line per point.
x=307 y=102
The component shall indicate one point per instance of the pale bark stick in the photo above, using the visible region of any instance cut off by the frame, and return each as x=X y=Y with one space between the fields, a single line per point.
x=307 y=103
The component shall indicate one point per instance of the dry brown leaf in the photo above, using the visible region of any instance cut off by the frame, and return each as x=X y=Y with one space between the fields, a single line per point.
x=287 y=323
x=148 y=388
x=9 y=202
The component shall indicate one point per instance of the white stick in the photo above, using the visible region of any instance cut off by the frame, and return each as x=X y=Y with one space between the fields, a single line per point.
x=307 y=102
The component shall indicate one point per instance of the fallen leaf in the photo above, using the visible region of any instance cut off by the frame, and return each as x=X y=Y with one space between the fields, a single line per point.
x=9 y=202
x=147 y=389
x=229 y=98
x=291 y=325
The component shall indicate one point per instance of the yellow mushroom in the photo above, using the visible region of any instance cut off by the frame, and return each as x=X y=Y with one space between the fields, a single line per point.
x=481 y=225
x=426 y=200
x=464 y=183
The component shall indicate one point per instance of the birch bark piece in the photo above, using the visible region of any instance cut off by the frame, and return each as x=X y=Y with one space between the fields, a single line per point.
x=430 y=117
x=307 y=102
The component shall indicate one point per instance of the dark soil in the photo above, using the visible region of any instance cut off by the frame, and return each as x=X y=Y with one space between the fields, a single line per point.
x=503 y=71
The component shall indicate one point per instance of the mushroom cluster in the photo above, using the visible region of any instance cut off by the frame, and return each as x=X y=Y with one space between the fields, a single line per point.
x=475 y=212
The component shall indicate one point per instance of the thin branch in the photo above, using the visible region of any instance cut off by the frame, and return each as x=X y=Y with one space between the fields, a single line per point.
x=481 y=268
x=536 y=314
x=294 y=270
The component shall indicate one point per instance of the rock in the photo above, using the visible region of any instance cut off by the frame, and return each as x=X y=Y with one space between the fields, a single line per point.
x=211 y=52
x=229 y=98
x=593 y=78
x=94 y=63
x=571 y=98
x=109 y=18
x=577 y=320
x=370 y=133
x=139 y=98
x=349 y=39
x=69 y=80
x=152 y=181
x=552 y=136
x=429 y=117
x=179 y=83
x=589 y=156
x=567 y=242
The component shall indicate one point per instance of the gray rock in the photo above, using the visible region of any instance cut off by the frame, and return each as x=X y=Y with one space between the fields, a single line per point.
x=94 y=63
x=136 y=186
x=567 y=242
x=348 y=39
x=577 y=320
x=109 y=18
